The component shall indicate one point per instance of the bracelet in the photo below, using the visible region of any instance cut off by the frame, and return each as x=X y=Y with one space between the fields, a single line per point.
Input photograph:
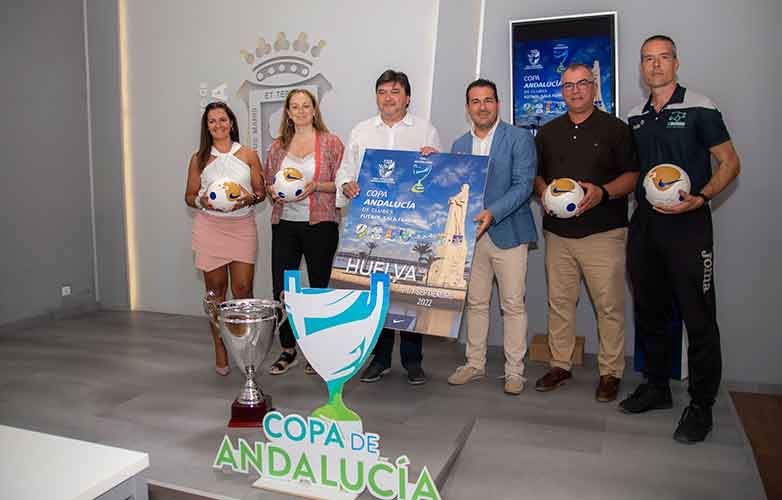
x=606 y=196
x=706 y=199
x=197 y=202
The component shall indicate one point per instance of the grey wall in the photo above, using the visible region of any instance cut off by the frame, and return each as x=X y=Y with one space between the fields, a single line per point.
x=454 y=66
x=730 y=54
x=46 y=222
x=106 y=129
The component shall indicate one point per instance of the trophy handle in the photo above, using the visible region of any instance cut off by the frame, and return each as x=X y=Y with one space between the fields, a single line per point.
x=277 y=324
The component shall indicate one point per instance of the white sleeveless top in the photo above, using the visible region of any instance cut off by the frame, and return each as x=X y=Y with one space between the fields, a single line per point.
x=299 y=211
x=227 y=165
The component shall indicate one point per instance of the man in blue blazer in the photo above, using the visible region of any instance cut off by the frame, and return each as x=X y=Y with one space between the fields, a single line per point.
x=505 y=229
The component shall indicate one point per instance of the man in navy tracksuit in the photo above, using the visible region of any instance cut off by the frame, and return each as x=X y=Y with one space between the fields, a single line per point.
x=670 y=250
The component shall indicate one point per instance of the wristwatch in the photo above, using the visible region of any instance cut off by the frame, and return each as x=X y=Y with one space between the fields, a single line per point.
x=605 y=197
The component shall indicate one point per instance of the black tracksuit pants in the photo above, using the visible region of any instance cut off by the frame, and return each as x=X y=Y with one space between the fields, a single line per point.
x=672 y=255
x=291 y=241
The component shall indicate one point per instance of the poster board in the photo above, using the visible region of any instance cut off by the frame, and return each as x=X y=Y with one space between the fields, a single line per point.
x=413 y=220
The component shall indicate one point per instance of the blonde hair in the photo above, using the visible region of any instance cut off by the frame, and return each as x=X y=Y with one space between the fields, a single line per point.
x=287 y=128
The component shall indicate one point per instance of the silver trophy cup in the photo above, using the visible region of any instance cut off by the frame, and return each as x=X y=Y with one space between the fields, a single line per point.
x=247 y=328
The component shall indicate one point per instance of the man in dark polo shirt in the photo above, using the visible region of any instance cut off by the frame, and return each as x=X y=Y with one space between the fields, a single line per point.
x=596 y=149
x=670 y=250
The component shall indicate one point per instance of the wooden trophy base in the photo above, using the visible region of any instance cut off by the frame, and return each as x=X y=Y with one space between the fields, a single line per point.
x=243 y=415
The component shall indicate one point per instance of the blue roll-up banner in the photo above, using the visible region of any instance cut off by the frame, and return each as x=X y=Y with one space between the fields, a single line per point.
x=541 y=50
x=678 y=346
x=413 y=220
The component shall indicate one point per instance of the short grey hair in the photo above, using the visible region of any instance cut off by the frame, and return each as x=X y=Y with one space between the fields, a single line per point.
x=575 y=66
x=661 y=38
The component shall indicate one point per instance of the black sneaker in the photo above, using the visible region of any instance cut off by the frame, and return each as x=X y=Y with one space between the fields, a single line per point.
x=416 y=376
x=373 y=373
x=695 y=424
x=647 y=397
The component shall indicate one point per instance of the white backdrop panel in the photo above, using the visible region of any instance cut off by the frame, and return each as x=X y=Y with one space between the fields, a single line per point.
x=175 y=47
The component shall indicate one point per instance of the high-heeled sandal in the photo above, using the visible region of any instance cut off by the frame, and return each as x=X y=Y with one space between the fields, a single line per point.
x=285 y=362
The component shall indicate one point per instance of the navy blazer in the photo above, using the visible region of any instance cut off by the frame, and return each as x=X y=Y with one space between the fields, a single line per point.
x=513 y=165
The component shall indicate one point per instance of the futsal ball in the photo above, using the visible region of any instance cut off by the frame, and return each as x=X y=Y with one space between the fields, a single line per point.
x=288 y=183
x=663 y=183
x=224 y=193
x=562 y=197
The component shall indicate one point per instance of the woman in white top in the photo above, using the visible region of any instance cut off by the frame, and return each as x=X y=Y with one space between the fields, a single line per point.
x=224 y=242
x=306 y=226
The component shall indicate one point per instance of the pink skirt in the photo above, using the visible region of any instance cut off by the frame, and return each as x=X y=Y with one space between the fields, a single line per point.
x=218 y=241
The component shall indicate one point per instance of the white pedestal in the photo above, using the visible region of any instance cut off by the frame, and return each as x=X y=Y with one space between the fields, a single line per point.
x=37 y=466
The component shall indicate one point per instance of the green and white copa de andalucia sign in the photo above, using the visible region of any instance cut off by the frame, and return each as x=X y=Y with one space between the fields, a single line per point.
x=321 y=454
x=328 y=455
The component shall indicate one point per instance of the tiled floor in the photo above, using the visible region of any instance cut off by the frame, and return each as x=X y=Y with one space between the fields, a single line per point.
x=145 y=381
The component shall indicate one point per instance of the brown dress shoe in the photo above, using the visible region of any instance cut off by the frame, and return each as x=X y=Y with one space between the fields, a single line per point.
x=608 y=388
x=552 y=379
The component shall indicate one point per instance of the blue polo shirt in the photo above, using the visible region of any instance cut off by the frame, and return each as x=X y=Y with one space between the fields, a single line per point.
x=681 y=133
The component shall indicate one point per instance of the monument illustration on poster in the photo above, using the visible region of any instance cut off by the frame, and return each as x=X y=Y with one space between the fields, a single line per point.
x=540 y=51
x=413 y=220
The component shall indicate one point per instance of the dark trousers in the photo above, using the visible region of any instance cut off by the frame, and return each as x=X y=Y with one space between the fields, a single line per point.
x=410 y=348
x=317 y=243
x=672 y=256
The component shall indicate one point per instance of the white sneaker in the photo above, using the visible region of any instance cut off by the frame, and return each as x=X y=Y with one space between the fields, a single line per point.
x=465 y=374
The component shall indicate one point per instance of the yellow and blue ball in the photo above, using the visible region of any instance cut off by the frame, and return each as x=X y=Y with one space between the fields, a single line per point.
x=223 y=194
x=289 y=183
x=663 y=183
x=562 y=197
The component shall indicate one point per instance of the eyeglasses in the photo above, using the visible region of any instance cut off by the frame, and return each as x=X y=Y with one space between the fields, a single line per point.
x=582 y=84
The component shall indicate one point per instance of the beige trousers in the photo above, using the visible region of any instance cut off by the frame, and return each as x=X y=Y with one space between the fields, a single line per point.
x=509 y=266
x=600 y=259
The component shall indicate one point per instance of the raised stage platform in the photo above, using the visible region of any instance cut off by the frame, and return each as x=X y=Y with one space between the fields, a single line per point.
x=145 y=381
